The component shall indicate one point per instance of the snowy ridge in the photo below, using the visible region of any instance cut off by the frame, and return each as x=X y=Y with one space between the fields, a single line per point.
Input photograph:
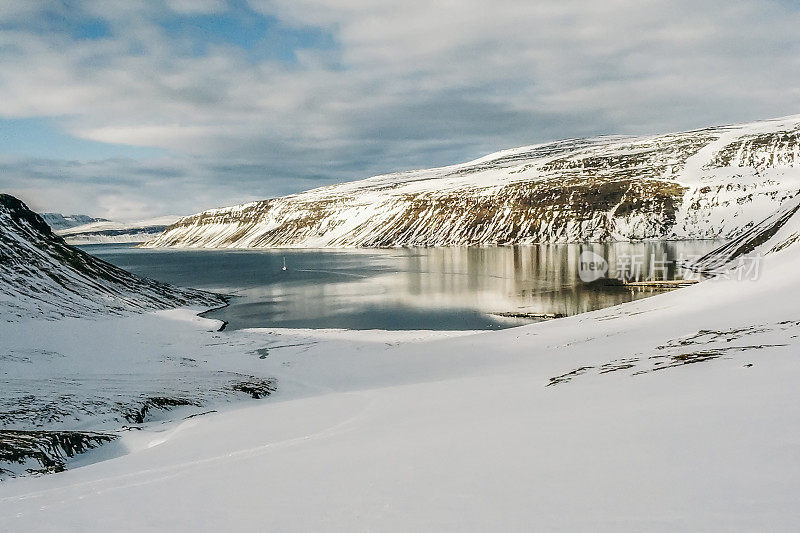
x=41 y=276
x=709 y=183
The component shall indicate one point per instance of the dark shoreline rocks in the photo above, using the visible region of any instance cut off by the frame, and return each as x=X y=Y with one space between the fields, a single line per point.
x=49 y=449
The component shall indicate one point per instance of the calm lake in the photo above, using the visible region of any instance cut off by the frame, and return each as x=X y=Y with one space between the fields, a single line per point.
x=404 y=288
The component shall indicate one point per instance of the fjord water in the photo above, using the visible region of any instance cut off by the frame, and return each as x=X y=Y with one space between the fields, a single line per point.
x=404 y=288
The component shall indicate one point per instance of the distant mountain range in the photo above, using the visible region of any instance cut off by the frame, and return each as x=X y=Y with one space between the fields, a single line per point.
x=57 y=221
x=709 y=183
x=106 y=231
x=84 y=229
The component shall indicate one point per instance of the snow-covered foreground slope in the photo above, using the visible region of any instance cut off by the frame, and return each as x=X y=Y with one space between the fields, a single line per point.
x=708 y=183
x=674 y=413
x=107 y=231
x=41 y=276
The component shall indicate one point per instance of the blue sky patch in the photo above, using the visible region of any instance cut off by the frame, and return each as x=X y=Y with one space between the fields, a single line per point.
x=259 y=37
x=39 y=137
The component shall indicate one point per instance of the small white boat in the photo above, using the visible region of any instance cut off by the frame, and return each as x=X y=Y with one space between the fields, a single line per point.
x=284 y=264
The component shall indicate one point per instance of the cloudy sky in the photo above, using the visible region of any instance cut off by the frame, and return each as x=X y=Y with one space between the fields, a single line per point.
x=129 y=109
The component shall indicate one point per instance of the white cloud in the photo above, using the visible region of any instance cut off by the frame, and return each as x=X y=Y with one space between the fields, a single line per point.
x=125 y=189
x=197 y=7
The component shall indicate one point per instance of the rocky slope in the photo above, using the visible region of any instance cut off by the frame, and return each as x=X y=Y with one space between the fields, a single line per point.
x=42 y=276
x=709 y=183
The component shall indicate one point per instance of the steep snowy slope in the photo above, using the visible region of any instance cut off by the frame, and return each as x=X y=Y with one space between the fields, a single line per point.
x=708 y=183
x=41 y=276
x=776 y=232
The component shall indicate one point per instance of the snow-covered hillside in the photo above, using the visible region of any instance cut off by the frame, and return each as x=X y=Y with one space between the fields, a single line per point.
x=674 y=413
x=779 y=230
x=41 y=276
x=707 y=183
x=106 y=231
x=104 y=363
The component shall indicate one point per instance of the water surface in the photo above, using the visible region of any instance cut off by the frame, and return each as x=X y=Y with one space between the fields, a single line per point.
x=403 y=288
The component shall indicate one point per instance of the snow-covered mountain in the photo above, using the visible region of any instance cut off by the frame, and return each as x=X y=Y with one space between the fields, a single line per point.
x=107 y=231
x=708 y=183
x=57 y=221
x=42 y=276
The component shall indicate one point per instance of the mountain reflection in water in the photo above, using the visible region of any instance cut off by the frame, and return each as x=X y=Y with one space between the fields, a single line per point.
x=405 y=288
